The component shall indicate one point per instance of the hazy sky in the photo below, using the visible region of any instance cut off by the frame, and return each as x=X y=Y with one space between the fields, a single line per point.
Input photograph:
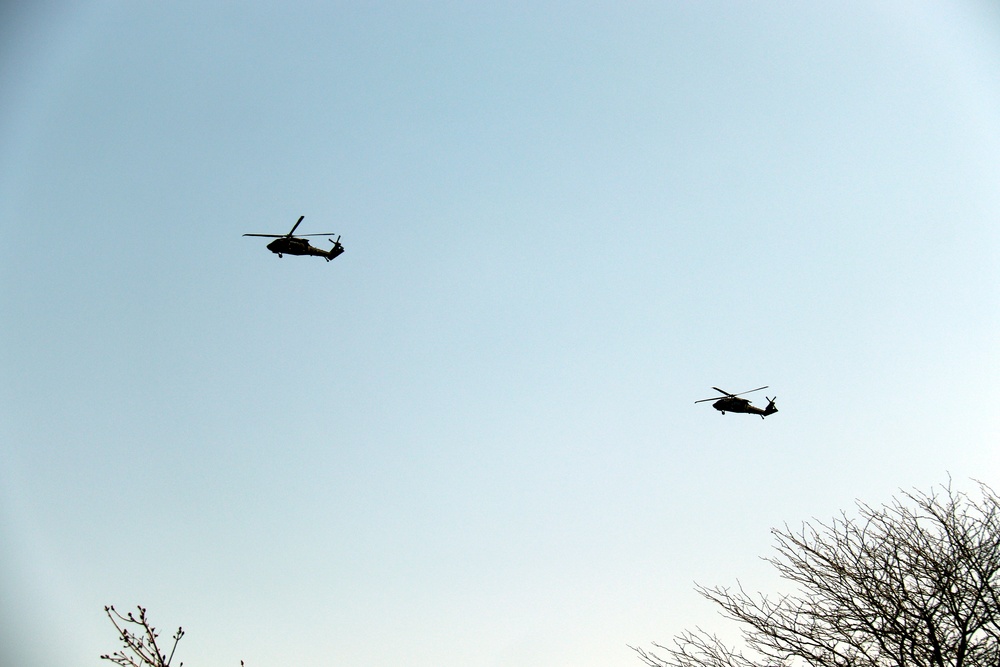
x=472 y=439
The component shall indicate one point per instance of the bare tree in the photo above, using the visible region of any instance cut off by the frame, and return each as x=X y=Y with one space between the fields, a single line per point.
x=138 y=640
x=915 y=583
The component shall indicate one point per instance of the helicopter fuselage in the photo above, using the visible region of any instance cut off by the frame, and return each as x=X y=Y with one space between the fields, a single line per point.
x=298 y=246
x=731 y=404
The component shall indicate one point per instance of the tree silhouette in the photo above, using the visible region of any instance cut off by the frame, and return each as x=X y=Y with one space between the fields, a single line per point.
x=915 y=583
x=138 y=638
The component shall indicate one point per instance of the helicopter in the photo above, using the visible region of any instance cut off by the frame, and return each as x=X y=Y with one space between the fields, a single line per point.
x=287 y=244
x=732 y=403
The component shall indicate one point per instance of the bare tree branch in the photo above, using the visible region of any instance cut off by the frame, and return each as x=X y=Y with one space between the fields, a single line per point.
x=915 y=583
x=138 y=638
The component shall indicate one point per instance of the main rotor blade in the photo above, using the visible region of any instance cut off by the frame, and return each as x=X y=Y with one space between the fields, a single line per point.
x=709 y=399
x=300 y=236
x=301 y=218
x=723 y=392
x=748 y=392
x=270 y=236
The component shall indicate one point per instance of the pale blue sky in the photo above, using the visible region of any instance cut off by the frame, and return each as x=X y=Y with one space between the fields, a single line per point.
x=472 y=439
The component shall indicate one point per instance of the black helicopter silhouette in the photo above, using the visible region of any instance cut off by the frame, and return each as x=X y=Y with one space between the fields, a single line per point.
x=287 y=244
x=732 y=403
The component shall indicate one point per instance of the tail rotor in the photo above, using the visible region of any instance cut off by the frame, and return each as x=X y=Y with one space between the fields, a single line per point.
x=336 y=250
x=770 y=409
